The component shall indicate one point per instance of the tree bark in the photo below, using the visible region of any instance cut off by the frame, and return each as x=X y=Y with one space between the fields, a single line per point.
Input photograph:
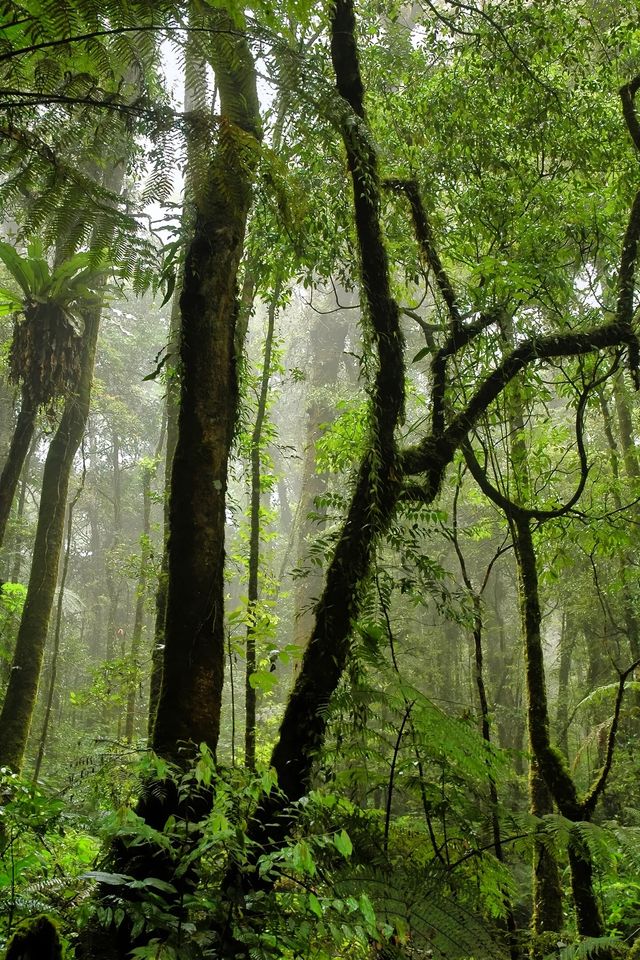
x=16 y=546
x=17 y=709
x=172 y=407
x=377 y=485
x=567 y=643
x=254 y=537
x=195 y=95
x=42 y=743
x=556 y=777
x=18 y=449
x=189 y=704
x=547 y=889
x=148 y=471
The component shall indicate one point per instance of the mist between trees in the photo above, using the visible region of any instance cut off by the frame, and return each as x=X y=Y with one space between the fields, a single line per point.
x=320 y=606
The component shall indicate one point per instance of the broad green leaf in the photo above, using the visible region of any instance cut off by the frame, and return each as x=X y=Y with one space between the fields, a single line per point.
x=18 y=267
x=314 y=905
x=342 y=843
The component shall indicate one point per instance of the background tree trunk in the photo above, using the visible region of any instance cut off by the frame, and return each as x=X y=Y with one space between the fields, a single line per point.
x=148 y=472
x=254 y=536
x=20 y=698
x=18 y=449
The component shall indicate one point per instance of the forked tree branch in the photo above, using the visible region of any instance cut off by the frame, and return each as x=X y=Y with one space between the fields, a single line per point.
x=420 y=458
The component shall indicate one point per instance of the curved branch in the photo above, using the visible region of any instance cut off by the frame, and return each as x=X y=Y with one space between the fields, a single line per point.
x=591 y=799
x=458 y=335
x=420 y=458
x=424 y=236
x=508 y=506
x=627 y=94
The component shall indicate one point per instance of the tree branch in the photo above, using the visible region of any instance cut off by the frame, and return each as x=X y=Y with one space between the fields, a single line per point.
x=532 y=513
x=421 y=457
x=591 y=799
x=627 y=94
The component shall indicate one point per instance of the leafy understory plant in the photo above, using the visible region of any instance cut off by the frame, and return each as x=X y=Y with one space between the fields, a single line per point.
x=43 y=851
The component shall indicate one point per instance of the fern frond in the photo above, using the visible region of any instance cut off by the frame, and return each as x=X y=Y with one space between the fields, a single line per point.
x=593 y=947
x=429 y=918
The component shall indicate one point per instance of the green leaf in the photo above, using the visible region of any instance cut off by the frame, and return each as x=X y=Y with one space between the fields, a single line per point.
x=302 y=859
x=421 y=354
x=263 y=680
x=171 y=284
x=367 y=911
x=158 y=884
x=18 y=267
x=113 y=879
x=343 y=845
x=314 y=905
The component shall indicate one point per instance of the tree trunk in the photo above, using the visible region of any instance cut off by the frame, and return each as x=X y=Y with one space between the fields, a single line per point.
x=189 y=704
x=195 y=95
x=18 y=449
x=625 y=563
x=625 y=427
x=17 y=709
x=567 y=643
x=16 y=546
x=172 y=406
x=111 y=563
x=547 y=889
x=376 y=488
x=556 y=777
x=254 y=537
x=148 y=471
x=42 y=743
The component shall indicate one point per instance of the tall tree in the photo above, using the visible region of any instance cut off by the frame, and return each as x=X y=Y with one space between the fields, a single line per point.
x=194 y=641
x=379 y=482
x=20 y=697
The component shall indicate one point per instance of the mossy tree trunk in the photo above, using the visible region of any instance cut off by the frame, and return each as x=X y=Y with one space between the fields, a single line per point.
x=57 y=632
x=19 y=535
x=557 y=779
x=547 y=889
x=377 y=485
x=475 y=595
x=195 y=95
x=567 y=644
x=20 y=698
x=629 y=458
x=18 y=450
x=188 y=711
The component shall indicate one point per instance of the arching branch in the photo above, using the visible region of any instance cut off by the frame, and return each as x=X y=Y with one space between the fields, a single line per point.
x=596 y=789
x=532 y=513
x=422 y=457
x=627 y=94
